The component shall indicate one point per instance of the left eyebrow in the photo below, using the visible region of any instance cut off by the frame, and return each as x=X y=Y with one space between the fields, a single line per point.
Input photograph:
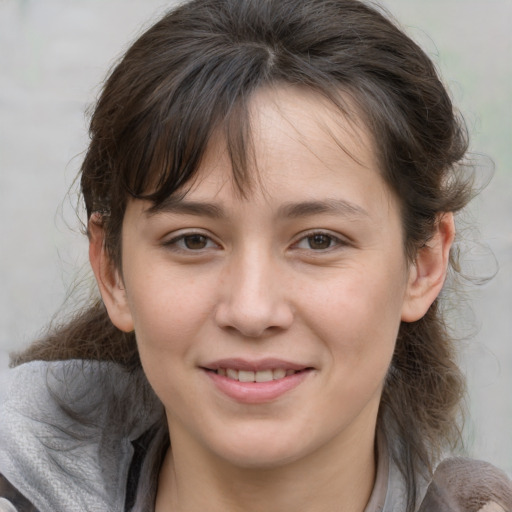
x=329 y=206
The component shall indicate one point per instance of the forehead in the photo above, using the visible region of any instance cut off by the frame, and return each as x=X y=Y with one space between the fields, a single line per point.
x=284 y=118
x=298 y=139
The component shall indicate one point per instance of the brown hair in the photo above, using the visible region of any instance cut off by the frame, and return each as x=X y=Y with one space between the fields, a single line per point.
x=193 y=73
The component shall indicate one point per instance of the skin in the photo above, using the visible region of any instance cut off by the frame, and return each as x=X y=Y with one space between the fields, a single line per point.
x=325 y=288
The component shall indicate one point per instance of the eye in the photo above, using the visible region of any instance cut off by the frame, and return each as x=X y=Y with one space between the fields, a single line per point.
x=191 y=242
x=319 y=242
x=195 y=242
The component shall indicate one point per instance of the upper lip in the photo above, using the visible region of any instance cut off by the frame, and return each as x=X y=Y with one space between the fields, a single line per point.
x=254 y=365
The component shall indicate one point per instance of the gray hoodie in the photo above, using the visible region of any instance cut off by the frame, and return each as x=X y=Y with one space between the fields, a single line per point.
x=71 y=431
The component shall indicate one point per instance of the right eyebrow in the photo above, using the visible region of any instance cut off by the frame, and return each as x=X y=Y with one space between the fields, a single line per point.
x=173 y=205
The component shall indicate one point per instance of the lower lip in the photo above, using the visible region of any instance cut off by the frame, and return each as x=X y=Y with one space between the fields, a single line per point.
x=256 y=392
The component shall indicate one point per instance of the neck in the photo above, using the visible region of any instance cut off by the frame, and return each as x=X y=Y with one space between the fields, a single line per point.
x=338 y=477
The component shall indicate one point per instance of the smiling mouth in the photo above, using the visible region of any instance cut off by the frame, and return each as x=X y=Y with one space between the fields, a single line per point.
x=255 y=376
x=256 y=382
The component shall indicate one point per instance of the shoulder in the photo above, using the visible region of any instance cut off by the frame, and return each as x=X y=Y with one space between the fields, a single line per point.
x=66 y=433
x=11 y=500
x=467 y=485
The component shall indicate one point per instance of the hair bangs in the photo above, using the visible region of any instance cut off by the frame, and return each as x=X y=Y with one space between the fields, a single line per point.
x=181 y=116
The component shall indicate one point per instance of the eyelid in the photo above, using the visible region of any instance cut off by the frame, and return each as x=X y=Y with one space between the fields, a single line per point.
x=171 y=240
x=341 y=241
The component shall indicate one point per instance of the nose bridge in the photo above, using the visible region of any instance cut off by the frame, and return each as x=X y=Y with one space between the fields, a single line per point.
x=253 y=278
x=254 y=300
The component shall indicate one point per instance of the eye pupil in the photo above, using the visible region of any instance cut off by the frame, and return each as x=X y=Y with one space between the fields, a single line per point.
x=195 y=242
x=319 y=241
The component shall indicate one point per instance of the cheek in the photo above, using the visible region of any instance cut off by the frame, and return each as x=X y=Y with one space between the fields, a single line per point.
x=169 y=316
x=358 y=316
x=167 y=308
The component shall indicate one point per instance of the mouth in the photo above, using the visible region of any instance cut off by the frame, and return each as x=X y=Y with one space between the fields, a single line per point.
x=256 y=382
x=256 y=376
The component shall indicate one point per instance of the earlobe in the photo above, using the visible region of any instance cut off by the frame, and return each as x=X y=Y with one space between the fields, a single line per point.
x=428 y=273
x=108 y=278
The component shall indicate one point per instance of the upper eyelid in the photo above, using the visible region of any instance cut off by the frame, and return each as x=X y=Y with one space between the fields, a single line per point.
x=180 y=233
x=184 y=232
x=176 y=236
x=336 y=236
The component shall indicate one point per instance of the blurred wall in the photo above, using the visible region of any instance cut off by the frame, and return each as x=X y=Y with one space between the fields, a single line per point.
x=53 y=55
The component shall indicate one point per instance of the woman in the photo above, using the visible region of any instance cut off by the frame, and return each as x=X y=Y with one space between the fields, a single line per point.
x=270 y=190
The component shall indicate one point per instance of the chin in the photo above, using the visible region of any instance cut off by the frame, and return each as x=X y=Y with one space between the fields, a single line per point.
x=263 y=450
x=256 y=459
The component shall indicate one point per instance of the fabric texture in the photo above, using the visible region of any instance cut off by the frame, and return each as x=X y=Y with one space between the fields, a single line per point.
x=466 y=485
x=67 y=433
x=86 y=436
x=12 y=500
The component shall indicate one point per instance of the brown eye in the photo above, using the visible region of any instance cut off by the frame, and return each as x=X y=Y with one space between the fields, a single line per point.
x=190 y=243
x=195 y=242
x=319 y=241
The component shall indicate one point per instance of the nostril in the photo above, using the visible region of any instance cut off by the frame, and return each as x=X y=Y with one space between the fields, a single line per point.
x=253 y=320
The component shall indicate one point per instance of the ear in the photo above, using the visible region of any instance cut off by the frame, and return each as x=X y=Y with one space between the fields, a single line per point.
x=428 y=273
x=108 y=277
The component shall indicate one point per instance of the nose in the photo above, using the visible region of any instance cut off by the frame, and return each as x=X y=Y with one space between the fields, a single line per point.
x=254 y=298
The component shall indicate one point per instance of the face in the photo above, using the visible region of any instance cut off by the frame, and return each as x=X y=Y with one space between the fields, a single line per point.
x=266 y=324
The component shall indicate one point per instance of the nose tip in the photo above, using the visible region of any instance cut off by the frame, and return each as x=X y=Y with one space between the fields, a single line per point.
x=254 y=305
x=254 y=322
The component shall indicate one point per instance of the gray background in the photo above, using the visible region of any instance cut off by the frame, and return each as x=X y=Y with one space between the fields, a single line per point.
x=53 y=55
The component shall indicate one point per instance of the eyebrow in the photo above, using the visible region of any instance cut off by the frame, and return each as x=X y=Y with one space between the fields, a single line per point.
x=179 y=206
x=329 y=206
x=291 y=210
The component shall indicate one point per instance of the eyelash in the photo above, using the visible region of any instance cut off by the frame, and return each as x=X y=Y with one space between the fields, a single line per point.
x=333 y=241
x=179 y=243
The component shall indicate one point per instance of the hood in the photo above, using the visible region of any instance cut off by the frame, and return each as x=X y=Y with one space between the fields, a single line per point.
x=66 y=432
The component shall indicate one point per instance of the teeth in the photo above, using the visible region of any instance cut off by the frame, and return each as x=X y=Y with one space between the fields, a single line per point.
x=244 y=376
x=280 y=373
x=260 y=376
x=232 y=374
x=263 y=376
